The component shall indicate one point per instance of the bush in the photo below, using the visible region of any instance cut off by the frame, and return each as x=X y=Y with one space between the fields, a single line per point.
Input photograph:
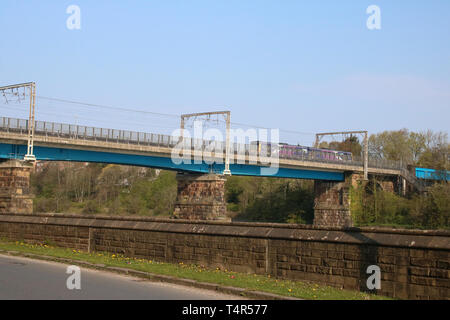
x=430 y=210
x=272 y=200
x=91 y=207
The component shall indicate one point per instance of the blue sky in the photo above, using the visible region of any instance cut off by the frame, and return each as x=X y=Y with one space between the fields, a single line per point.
x=307 y=66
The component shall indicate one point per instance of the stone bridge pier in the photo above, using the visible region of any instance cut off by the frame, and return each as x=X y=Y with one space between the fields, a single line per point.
x=15 y=191
x=332 y=203
x=200 y=197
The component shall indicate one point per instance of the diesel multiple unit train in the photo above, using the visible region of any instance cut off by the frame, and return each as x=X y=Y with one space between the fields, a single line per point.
x=288 y=151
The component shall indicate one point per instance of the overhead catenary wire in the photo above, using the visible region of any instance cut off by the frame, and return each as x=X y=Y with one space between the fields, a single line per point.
x=108 y=107
x=142 y=122
x=94 y=121
x=160 y=114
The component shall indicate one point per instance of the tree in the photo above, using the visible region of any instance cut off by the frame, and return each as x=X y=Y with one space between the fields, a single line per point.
x=350 y=144
x=416 y=144
x=391 y=145
x=426 y=149
x=436 y=152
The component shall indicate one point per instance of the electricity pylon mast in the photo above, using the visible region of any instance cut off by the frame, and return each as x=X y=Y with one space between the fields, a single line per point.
x=365 y=143
x=17 y=92
x=227 y=115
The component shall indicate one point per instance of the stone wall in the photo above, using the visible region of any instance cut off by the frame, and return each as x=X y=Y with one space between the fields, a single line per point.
x=414 y=264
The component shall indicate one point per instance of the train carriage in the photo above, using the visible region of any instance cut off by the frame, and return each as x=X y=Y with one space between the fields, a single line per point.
x=288 y=151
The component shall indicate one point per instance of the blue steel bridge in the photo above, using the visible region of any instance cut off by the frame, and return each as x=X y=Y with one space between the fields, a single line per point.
x=70 y=142
x=431 y=174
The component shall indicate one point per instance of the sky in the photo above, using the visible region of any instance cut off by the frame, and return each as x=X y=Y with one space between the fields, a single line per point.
x=303 y=66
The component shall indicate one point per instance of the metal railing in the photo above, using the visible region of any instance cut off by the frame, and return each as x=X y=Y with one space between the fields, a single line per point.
x=71 y=131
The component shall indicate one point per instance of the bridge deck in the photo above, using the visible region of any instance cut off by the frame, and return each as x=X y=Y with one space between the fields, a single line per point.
x=101 y=146
x=68 y=142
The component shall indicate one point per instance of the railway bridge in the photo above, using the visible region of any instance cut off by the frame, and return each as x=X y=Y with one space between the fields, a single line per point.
x=201 y=184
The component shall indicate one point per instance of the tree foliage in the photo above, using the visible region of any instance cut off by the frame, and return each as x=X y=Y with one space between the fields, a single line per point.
x=271 y=199
x=100 y=188
x=373 y=206
x=425 y=149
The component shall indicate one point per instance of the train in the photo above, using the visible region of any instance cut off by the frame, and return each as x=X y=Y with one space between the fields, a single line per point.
x=288 y=151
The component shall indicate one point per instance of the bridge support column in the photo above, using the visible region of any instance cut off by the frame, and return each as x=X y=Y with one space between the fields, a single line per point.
x=200 y=197
x=15 y=192
x=332 y=202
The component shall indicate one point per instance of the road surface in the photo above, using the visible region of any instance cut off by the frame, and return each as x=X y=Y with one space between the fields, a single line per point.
x=23 y=278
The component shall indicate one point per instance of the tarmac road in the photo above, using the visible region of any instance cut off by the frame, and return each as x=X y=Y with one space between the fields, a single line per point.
x=24 y=278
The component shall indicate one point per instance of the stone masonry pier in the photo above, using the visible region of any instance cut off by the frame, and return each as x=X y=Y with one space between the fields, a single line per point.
x=332 y=203
x=15 y=193
x=200 y=197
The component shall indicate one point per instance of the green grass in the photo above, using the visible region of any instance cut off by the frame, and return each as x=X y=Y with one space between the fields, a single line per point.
x=296 y=289
x=399 y=226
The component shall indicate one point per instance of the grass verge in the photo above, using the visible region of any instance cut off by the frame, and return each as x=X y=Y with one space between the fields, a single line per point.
x=296 y=289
